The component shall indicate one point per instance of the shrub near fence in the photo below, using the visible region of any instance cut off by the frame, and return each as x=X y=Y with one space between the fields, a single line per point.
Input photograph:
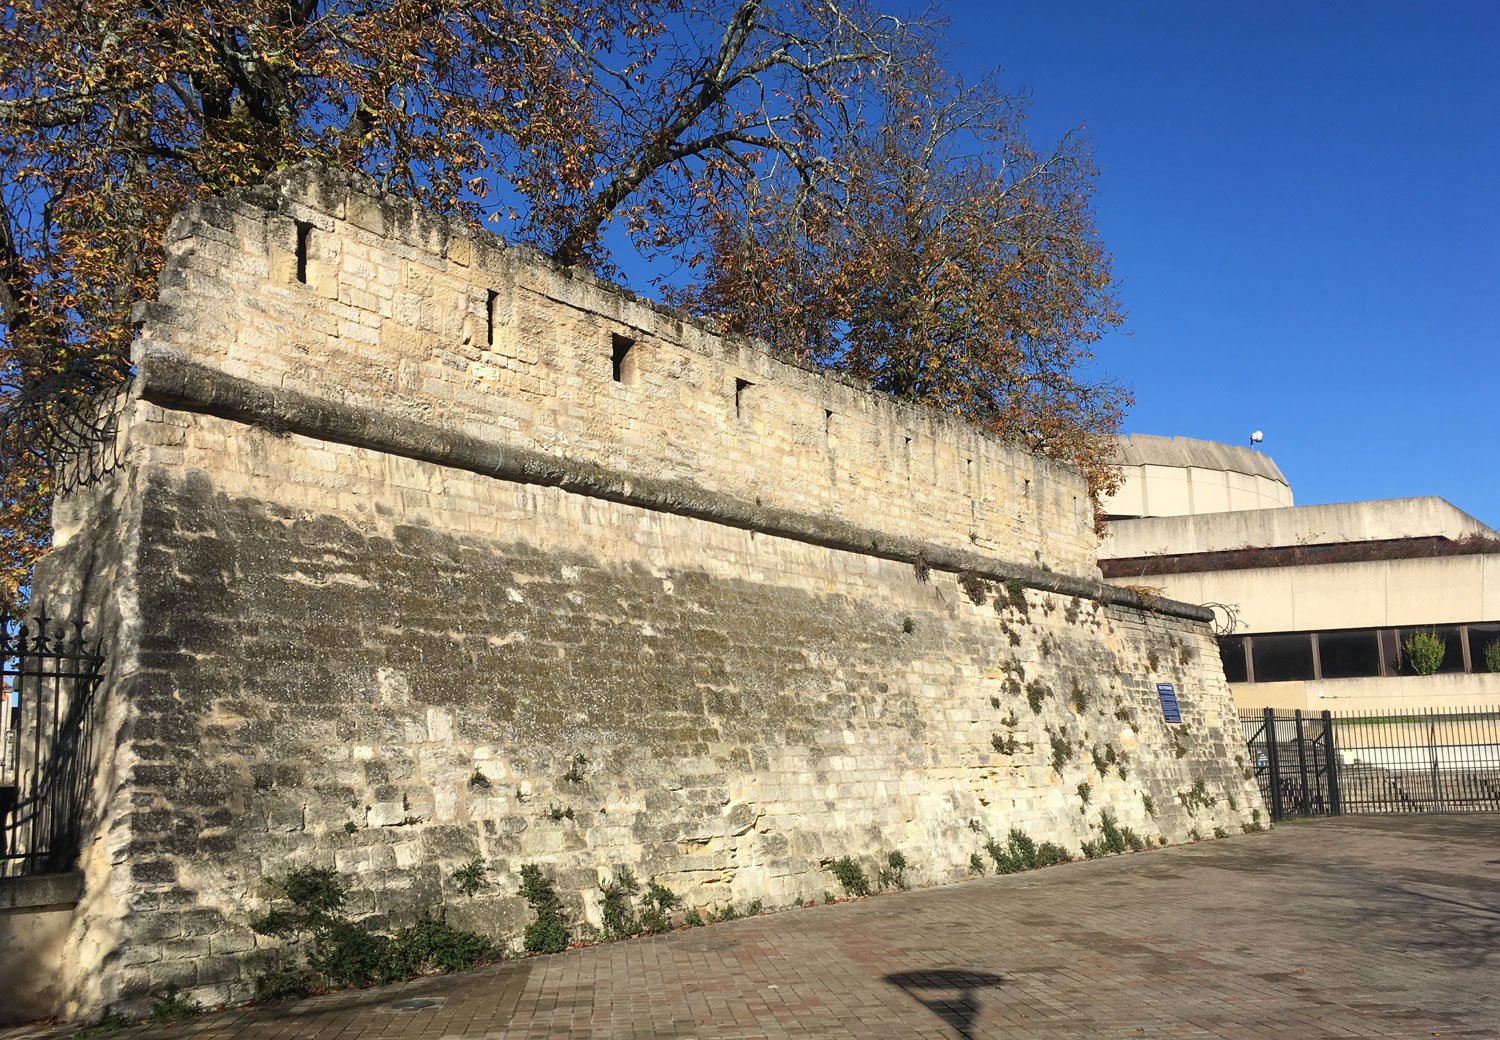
x=1329 y=763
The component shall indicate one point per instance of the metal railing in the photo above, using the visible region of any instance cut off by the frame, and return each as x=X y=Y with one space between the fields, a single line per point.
x=1441 y=761
x=69 y=422
x=47 y=682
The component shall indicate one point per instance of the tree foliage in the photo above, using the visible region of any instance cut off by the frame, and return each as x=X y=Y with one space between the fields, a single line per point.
x=892 y=214
x=941 y=257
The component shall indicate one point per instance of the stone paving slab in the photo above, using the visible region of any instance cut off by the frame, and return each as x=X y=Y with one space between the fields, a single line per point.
x=1357 y=927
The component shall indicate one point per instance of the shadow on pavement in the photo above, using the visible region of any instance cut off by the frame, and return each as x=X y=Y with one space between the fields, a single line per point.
x=949 y=993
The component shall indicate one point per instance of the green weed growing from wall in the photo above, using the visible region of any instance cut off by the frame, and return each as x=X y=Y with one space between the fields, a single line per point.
x=549 y=932
x=657 y=906
x=1079 y=698
x=975 y=587
x=653 y=915
x=1197 y=797
x=170 y=1006
x=850 y=876
x=1036 y=695
x=470 y=877
x=616 y=908
x=893 y=874
x=348 y=953
x=1021 y=853
x=1015 y=591
x=1062 y=752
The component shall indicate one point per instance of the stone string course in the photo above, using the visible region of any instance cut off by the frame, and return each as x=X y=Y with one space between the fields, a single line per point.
x=310 y=634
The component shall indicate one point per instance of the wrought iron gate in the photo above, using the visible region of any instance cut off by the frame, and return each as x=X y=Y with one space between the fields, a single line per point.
x=1325 y=764
x=1294 y=761
x=47 y=683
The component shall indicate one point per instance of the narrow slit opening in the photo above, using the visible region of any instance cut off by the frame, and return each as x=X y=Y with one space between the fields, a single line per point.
x=304 y=232
x=489 y=318
x=740 y=386
x=622 y=359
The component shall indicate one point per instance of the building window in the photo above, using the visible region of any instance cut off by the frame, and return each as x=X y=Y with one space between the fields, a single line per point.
x=1354 y=653
x=1232 y=652
x=1481 y=638
x=1351 y=654
x=1282 y=658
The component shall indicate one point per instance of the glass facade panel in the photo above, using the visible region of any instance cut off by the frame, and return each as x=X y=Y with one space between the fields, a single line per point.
x=1232 y=651
x=1350 y=654
x=1481 y=638
x=1282 y=658
x=1453 y=652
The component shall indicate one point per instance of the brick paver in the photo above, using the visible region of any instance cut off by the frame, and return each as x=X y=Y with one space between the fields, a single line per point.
x=1358 y=927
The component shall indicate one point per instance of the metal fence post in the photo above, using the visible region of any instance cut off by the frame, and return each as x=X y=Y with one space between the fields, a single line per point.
x=1335 y=801
x=1432 y=753
x=1273 y=765
x=1305 y=802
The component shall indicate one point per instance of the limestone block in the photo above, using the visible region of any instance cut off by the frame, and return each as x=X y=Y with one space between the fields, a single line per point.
x=386 y=814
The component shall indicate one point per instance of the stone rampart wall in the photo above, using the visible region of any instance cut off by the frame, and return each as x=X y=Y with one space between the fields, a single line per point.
x=326 y=620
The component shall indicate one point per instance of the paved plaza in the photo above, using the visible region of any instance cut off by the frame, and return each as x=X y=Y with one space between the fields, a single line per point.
x=1356 y=927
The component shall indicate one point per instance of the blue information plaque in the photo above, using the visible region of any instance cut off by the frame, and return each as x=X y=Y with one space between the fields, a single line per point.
x=1168 y=695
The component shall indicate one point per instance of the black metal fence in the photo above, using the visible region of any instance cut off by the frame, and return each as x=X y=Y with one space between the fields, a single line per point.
x=1323 y=764
x=47 y=682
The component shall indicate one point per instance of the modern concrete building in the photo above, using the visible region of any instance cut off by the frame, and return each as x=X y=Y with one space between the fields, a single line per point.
x=1315 y=602
x=1179 y=476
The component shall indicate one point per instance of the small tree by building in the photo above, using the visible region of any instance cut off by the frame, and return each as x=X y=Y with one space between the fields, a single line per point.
x=1424 y=651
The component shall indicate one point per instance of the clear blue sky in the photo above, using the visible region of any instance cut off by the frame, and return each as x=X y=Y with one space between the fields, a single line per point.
x=1303 y=200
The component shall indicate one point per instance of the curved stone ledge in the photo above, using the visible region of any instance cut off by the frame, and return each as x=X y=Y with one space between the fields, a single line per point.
x=168 y=379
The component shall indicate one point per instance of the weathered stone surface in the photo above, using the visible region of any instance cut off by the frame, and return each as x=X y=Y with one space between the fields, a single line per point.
x=320 y=637
x=39 y=892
